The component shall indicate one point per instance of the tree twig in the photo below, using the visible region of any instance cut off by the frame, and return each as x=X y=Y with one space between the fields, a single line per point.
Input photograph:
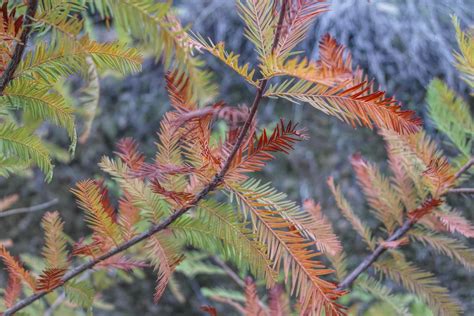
x=465 y=168
x=369 y=260
x=400 y=232
x=462 y=190
x=30 y=209
x=20 y=46
x=229 y=271
x=213 y=184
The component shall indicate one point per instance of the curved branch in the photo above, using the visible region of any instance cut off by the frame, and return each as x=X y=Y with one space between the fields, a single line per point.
x=369 y=260
x=215 y=182
x=30 y=209
x=465 y=168
x=462 y=190
x=20 y=46
x=397 y=234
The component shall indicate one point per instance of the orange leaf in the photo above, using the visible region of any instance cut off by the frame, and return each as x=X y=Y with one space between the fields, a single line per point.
x=50 y=279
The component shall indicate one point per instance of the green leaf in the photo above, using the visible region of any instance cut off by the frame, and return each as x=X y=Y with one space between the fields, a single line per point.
x=18 y=142
x=39 y=102
x=80 y=293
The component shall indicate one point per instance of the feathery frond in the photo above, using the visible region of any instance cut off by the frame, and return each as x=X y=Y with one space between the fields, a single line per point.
x=383 y=293
x=164 y=256
x=80 y=293
x=114 y=56
x=448 y=246
x=15 y=268
x=10 y=30
x=464 y=58
x=451 y=116
x=422 y=160
x=241 y=245
x=278 y=301
x=54 y=250
x=298 y=19
x=228 y=58
x=349 y=214
x=12 y=290
x=454 y=222
x=333 y=68
x=252 y=302
x=93 y=202
x=260 y=21
x=380 y=195
x=321 y=230
x=50 y=279
x=289 y=248
x=257 y=154
x=20 y=143
x=89 y=100
x=40 y=102
x=421 y=283
x=400 y=180
x=356 y=105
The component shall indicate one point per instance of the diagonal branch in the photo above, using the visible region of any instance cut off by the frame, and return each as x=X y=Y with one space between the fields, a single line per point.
x=369 y=260
x=465 y=168
x=397 y=234
x=215 y=182
x=30 y=209
x=462 y=190
x=20 y=46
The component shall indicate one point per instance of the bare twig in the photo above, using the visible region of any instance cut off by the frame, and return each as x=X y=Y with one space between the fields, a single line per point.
x=400 y=232
x=462 y=190
x=465 y=168
x=229 y=271
x=30 y=209
x=369 y=260
x=230 y=302
x=215 y=182
x=20 y=46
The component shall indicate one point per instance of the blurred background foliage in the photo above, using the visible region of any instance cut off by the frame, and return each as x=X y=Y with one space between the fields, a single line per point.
x=403 y=44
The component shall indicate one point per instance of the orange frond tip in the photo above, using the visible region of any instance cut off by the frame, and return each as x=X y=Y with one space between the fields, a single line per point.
x=252 y=302
x=15 y=268
x=320 y=229
x=50 y=279
x=210 y=310
x=12 y=291
x=425 y=208
x=254 y=157
x=179 y=91
x=127 y=150
x=180 y=198
x=441 y=174
x=93 y=198
x=454 y=222
x=278 y=301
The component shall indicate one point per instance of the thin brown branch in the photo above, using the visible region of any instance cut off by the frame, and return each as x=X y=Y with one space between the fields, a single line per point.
x=397 y=234
x=465 y=168
x=215 y=182
x=462 y=190
x=229 y=271
x=30 y=209
x=20 y=46
x=369 y=260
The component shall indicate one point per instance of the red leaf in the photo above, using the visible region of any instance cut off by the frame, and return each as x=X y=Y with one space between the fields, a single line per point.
x=50 y=279
x=211 y=310
x=425 y=208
